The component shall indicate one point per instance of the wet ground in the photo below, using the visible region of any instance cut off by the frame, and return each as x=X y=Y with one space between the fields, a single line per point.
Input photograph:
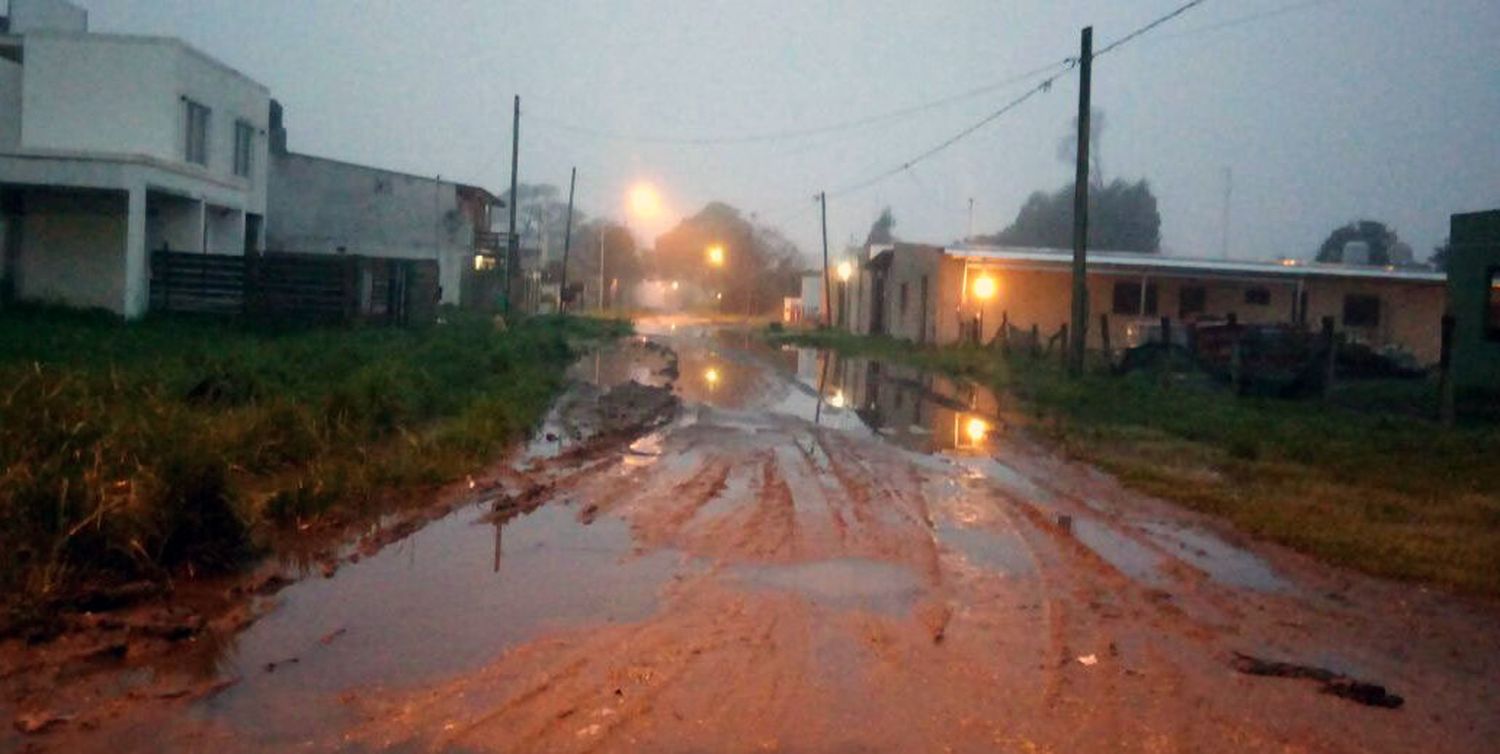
x=820 y=554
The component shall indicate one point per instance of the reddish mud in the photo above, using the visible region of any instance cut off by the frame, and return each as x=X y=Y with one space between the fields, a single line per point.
x=824 y=555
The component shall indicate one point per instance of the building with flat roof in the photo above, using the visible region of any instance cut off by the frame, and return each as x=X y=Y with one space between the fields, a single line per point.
x=114 y=146
x=937 y=294
x=324 y=206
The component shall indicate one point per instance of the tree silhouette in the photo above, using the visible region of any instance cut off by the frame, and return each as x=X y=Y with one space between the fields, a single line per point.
x=1374 y=233
x=1122 y=217
x=882 y=231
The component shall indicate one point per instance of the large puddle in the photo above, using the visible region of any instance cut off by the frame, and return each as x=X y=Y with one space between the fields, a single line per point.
x=449 y=597
x=457 y=593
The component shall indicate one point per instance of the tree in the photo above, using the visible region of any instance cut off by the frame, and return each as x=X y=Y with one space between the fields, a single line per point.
x=882 y=230
x=760 y=264
x=1067 y=147
x=541 y=219
x=1380 y=239
x=1122 y=217
x=1441 y=254
x=622 y=260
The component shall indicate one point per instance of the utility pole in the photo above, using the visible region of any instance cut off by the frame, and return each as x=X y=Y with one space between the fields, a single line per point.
x=602 y=231
x=1228 y=195
x=754 y=282
x=827 y=284
x=1079 y=326
x=512 y=253
x=969 y=238
x=562 y=291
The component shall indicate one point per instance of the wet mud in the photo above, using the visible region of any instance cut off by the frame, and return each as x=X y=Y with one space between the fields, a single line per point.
x=814 y=554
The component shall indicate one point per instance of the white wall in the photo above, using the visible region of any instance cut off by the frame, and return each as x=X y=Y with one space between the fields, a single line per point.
x=99 y=94
x=10 y=105
x=230 y=97
x=225 y=231
x=72 y=249
x=46 y=15
x=317 y=206
x=124 y=96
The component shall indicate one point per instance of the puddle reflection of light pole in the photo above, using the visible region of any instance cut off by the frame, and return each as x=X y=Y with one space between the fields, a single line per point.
x=498 y=528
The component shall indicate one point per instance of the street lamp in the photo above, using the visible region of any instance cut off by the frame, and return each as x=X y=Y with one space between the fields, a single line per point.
x=716 y=255
x=984 y=290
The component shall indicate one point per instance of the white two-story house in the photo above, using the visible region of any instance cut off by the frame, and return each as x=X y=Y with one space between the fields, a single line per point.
x=113 y=147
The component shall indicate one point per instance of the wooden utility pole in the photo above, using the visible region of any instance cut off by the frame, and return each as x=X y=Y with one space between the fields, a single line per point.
x=562 y=291
x=512 y=251
x=1079 y=330
x=827 y=284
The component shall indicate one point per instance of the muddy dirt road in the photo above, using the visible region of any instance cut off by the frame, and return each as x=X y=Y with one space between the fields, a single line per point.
x=828 y=555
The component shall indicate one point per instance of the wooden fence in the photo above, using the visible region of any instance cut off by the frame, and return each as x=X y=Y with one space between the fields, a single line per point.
x=307 y=287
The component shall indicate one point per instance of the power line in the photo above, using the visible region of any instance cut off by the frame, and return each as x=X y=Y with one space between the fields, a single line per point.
x=1148 y=27
x=1249 y=19
x=889 y=115
x=1044 y=86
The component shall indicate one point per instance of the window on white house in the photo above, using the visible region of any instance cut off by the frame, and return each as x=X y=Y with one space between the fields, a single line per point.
x=244 y=140
x=196 y=146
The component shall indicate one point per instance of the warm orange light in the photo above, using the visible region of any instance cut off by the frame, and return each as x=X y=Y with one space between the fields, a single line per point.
x=845 y=271
x=645 y=202
x=674 y=285
x=711 y=376
x=837 y=399
x=977 y=429
x=716 y=255
x=984 y=288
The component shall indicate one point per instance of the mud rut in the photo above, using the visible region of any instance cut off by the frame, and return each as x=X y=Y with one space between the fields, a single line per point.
x=834 y=592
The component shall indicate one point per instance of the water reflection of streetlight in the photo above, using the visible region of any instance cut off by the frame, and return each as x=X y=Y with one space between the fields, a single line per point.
x=845 y=270
x=977 y=429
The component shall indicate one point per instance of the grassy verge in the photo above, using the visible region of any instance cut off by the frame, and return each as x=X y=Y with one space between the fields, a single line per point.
x=133 y=451
x=1361 y=480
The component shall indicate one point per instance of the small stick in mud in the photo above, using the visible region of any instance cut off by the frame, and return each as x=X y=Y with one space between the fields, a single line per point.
x=1369 y=694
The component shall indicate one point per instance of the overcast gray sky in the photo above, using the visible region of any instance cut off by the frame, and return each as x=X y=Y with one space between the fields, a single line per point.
x=1325 y=113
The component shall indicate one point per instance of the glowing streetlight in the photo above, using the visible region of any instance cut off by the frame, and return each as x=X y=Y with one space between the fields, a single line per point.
x=711 y=376
x=845 y=271
x=674 y=285
x=645 y=202
x=984 y=290
x=716 y=255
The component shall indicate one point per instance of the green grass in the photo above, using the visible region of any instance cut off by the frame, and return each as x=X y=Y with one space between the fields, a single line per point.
x=1364 y=479
x=134 y=451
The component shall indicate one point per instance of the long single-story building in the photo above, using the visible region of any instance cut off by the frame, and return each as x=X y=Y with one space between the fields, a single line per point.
x=935 y=294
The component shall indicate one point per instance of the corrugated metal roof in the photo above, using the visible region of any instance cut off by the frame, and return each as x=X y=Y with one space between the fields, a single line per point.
x=1117 y=260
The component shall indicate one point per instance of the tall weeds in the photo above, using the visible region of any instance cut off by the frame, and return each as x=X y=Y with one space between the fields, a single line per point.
x=132 y=451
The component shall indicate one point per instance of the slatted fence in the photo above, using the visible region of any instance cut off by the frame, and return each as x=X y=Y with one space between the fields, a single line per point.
x=309 y=287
